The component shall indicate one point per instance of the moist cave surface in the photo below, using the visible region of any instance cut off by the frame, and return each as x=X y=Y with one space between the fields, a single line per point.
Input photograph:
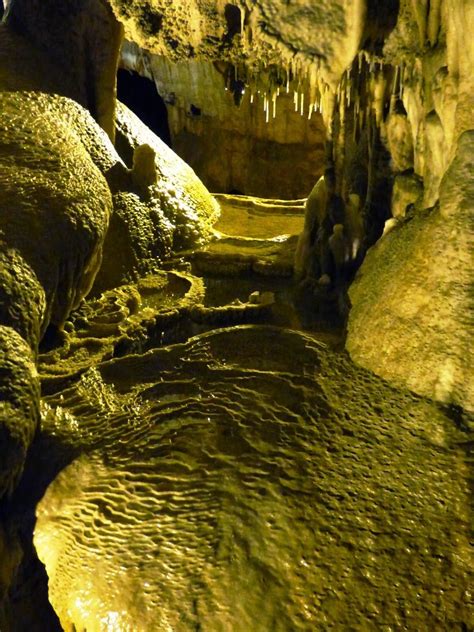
x=247 y=478
x=205 y=421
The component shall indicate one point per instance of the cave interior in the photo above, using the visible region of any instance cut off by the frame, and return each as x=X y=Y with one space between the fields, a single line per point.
x=236 y=283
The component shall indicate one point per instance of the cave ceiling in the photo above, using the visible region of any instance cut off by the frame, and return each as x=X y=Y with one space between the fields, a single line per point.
x=289 y=34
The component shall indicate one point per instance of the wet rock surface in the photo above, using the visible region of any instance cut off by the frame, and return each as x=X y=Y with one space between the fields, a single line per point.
x=185 y=201
x=51 y=193
x=253 y=479
x=412 y=296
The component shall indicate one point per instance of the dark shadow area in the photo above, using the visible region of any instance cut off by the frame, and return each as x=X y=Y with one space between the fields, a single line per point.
x=25 y=607
x=380 y=22
x=141 y=96
x=233 y=20
x=194 y=110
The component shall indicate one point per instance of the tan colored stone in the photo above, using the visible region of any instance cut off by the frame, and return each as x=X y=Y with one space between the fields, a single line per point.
x=411 y=317
x=407 y=190
x=81 y=39
x=235 y=147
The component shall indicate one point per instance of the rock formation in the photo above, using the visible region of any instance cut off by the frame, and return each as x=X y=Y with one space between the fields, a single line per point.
x=410 y=318
x=64 y=199
x=57 y=171
x=219 y=126
x=225 y=442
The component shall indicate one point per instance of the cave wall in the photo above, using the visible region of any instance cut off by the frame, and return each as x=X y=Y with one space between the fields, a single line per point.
x=268 y=32
x=61 y=180
x=229 y=134
x=395 y=106
x=82 y=40
x=412 y=299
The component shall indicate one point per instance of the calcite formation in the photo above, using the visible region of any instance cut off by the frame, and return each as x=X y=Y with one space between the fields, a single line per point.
x=82 y=41
x=237 y=137
x=258 y=33
x=51 y=194
x=413 y=295
x=183 y=198
x=394 y=86
x=58 y=170
x=411 y=302
x=19 y=406
x=160 y=205
x=251 y=479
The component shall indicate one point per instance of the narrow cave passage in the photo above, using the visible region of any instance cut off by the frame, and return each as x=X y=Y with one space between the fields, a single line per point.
x=141 y=96
x=194 y=448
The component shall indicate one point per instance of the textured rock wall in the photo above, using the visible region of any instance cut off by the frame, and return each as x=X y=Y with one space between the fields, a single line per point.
x=256 y=34
x=82 y=40
x=160 y=206
x=51 y=194
x=412 y=299
x=220 y=128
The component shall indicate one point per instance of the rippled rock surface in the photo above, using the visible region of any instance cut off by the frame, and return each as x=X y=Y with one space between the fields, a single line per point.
x=252 y=479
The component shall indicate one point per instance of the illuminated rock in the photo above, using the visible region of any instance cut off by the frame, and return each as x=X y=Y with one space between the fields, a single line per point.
x=184 y=200
x=81 y=39
x=55 y=207
x=19 y=406
x=234 y=137
x=412 y=297
x=252 y=479
x=261 y=32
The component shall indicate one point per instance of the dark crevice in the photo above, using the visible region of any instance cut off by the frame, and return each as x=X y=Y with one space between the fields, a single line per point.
x=194 y=110
x=380 y=21
x=233 y=20
x=141 y=96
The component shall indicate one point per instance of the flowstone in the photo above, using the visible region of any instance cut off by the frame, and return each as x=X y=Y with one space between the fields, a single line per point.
x=251 y=479
x=54 y=212
x=412 y=297
x=184 y=200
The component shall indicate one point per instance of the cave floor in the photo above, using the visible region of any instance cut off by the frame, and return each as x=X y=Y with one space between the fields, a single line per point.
x=214 y=462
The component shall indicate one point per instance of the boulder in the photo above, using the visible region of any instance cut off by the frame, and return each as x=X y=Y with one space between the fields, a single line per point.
x=185 y=201
x=412 y=298
x=54 y=213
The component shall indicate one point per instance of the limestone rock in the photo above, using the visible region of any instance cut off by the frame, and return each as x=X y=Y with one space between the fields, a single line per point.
x=226 y=136
x=434 y=158
x=144 y=167
x=196 y=462
x=315 y=212
x=400 y=141
x=81 y=39
x=407 y=190
x=185 y=201
x=260 y=32
x=54 y=212
x=49 y=184
x=22 y=298
x=139 y=239
x=19 y=406
x=411 y=317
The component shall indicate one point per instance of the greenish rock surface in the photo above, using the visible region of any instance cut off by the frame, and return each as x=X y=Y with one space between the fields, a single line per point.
x=19 y=406
x=412 y=300
x=185 y=201
x=55 y=202
x=252 y=479
x=54 y=212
